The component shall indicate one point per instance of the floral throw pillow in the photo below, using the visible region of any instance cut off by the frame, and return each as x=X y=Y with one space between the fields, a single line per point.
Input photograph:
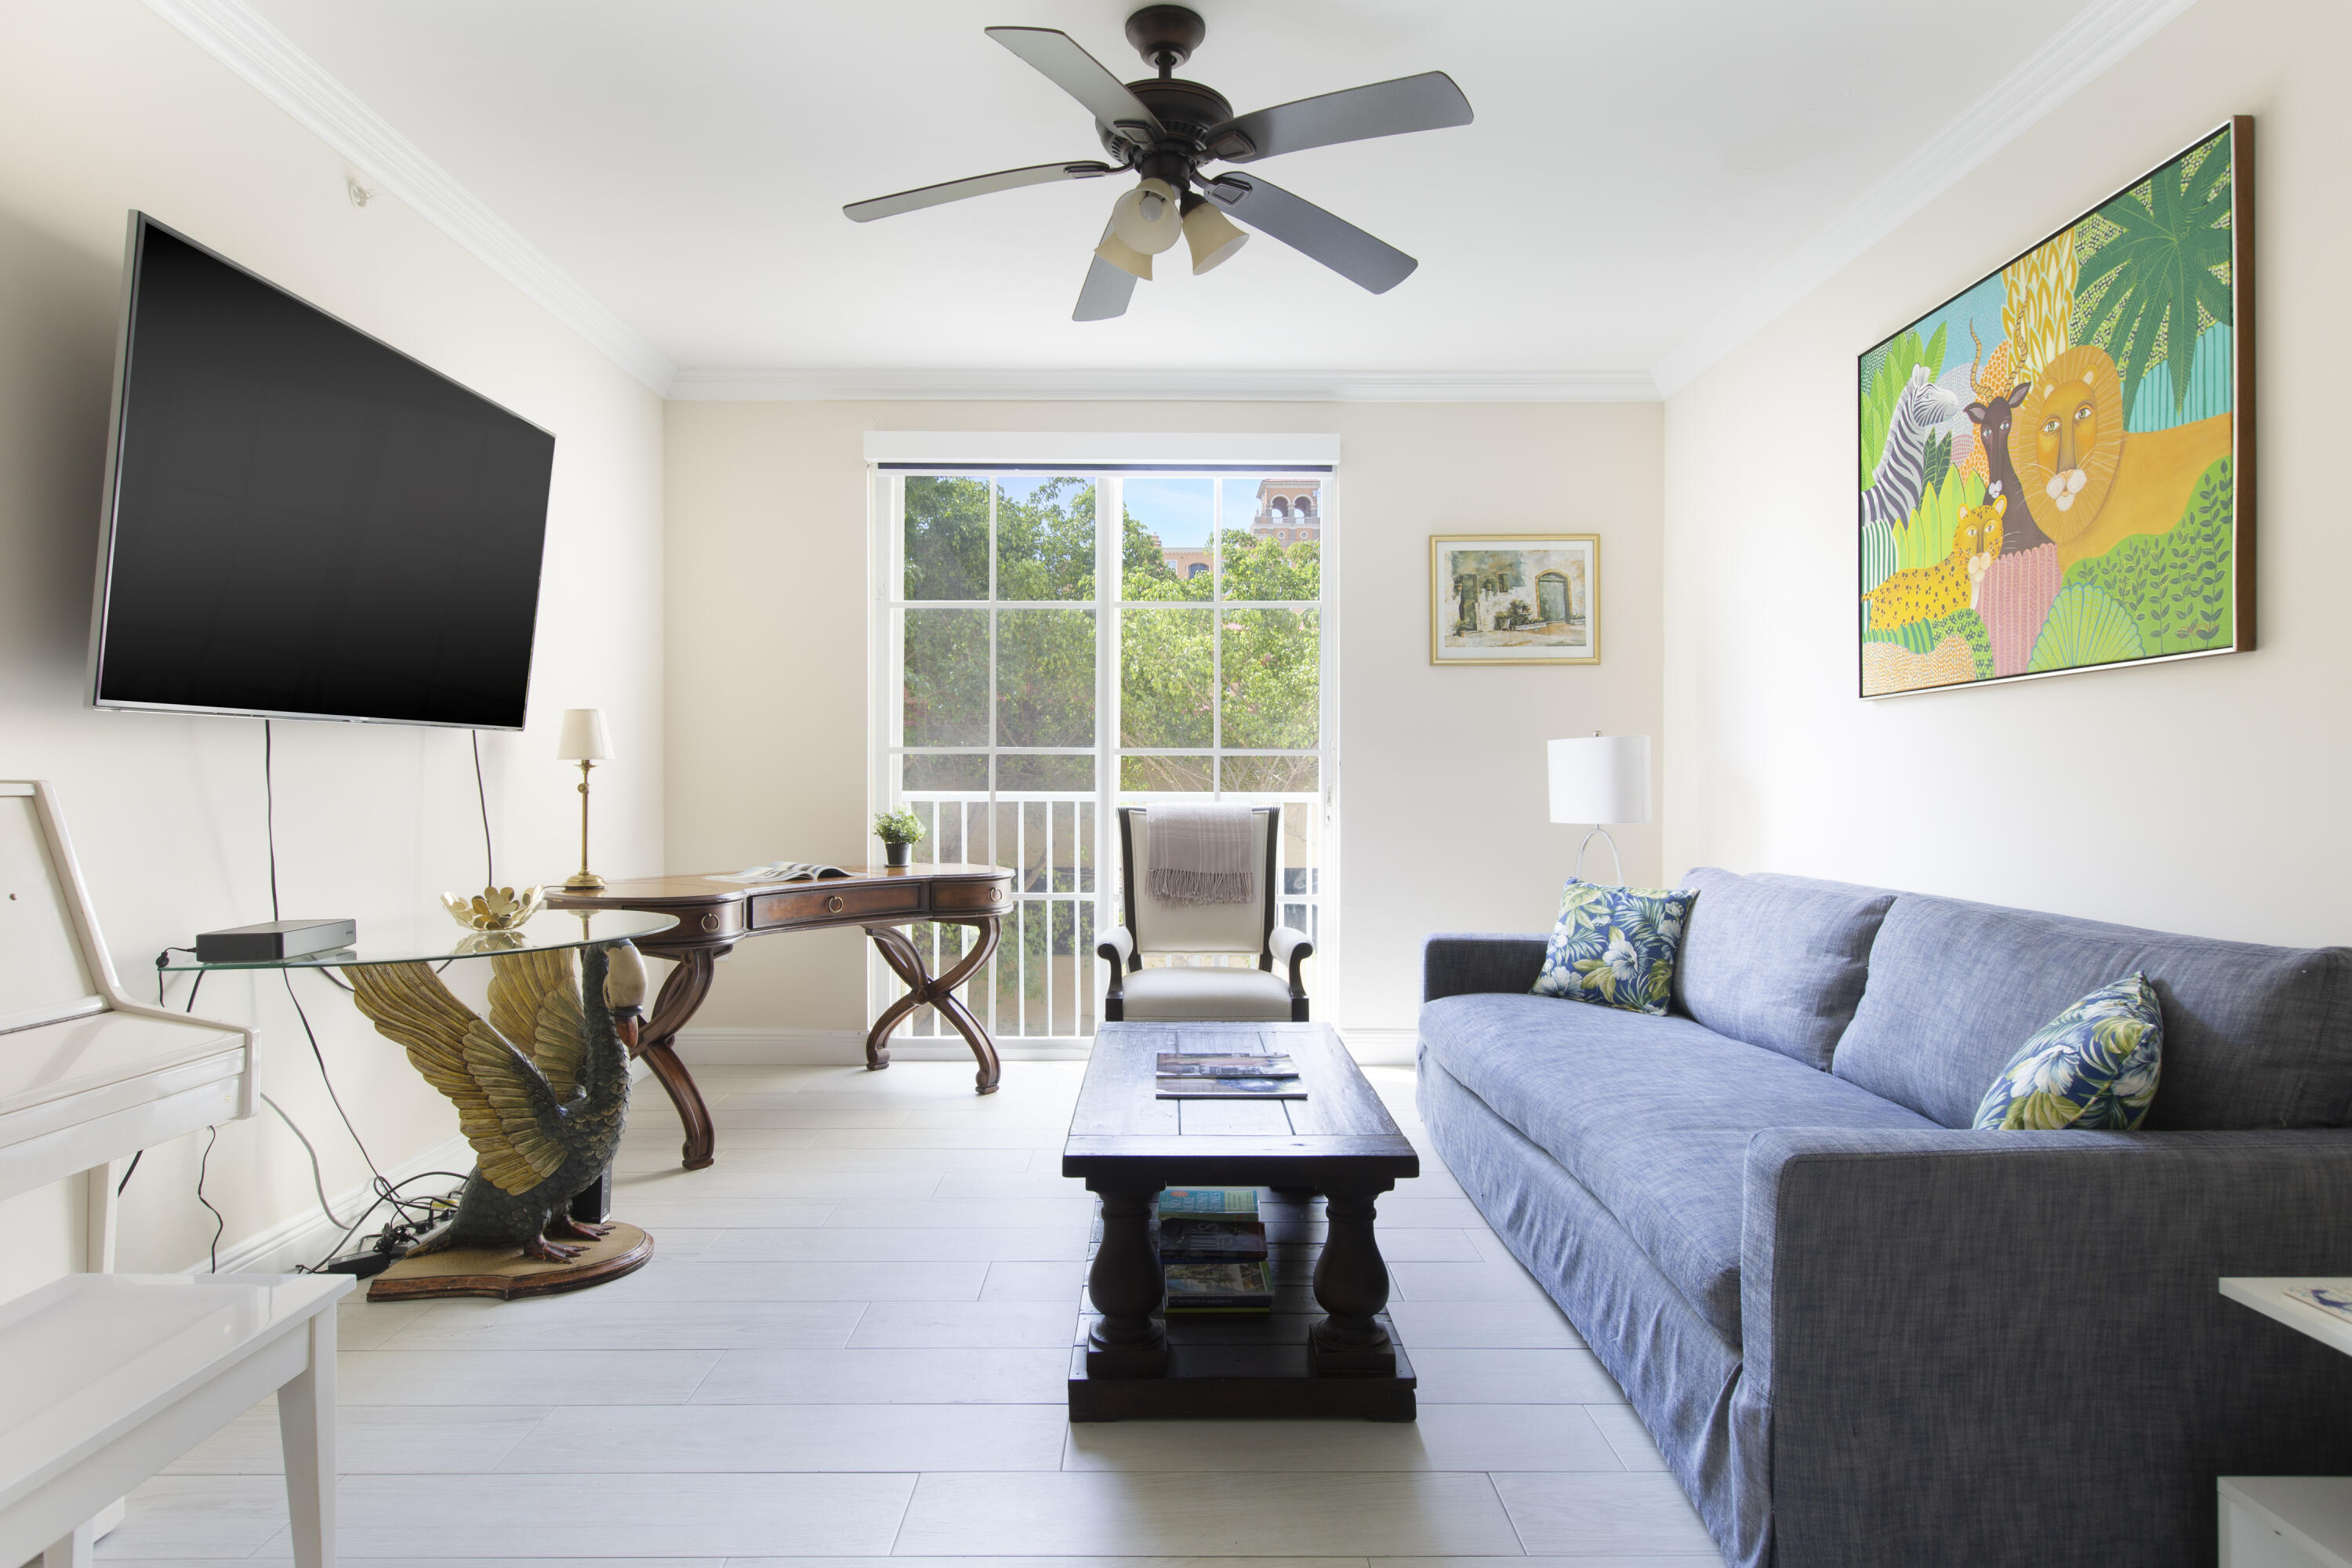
x=1615 y=946
x=2094 y=1065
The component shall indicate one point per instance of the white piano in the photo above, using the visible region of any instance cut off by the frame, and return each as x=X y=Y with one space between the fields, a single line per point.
x=88 y=1075
x=113 y=1376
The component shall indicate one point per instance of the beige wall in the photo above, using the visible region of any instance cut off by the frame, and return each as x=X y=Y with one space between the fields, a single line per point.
x=104 y=107
x=2198 y=797
x=1443 y=812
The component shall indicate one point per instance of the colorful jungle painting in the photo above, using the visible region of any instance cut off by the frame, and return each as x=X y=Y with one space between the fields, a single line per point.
x=1513 y=598
x=2051 y=462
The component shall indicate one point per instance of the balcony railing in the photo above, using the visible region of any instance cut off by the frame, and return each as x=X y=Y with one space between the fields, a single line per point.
x=1044 y=981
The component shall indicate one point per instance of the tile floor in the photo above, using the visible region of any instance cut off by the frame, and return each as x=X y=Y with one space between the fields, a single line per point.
x=852 y=1343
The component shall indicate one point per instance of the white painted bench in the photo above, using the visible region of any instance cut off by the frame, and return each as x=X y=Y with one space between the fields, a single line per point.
x=105 y=1378
x=110 y=1377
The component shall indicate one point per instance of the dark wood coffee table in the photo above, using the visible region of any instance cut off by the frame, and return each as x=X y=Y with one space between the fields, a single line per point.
x=1337 y=1145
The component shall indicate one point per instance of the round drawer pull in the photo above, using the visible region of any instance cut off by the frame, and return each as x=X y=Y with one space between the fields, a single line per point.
x=996 y=895
x=834 y=905
x=711 y=921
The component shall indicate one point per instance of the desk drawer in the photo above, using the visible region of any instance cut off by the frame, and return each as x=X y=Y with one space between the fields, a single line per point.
x=964 y=895
x=839 y=904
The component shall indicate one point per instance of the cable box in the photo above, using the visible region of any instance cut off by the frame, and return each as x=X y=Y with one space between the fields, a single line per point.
x=273 y=939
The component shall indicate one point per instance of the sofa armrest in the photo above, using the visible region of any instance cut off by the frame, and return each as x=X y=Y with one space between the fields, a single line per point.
x=1933 y=1320
x=1456 y=963
x=1290 y=949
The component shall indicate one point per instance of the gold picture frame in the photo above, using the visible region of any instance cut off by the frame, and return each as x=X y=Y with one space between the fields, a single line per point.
x=1513 y=598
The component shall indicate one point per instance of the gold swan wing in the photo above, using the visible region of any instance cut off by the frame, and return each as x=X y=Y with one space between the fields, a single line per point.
x=505 y=1106
x=535 y=1004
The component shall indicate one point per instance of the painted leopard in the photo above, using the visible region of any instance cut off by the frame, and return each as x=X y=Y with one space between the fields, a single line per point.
x=1931 y=593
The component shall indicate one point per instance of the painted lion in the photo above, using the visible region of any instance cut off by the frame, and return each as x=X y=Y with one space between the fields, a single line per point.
x=2067 y=441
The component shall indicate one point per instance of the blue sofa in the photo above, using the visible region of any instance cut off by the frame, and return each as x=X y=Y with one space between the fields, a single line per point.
x=1861 y=1333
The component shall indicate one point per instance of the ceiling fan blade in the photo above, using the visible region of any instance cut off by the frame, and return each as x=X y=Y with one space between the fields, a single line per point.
x=1106 y=291
x=978 y=186
x=1083 y=76
x=1429 y=101
x=1373 y=264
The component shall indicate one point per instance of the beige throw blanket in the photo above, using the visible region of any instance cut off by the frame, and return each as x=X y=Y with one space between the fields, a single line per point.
x=1201 y=854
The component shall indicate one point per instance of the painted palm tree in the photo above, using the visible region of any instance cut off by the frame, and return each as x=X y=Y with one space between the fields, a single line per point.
x=541 y=1087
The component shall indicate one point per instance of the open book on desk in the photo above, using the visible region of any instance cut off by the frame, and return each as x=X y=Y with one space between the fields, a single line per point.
x=782 y=871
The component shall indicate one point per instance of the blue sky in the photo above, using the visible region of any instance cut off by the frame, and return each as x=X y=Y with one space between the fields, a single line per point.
x=1176 y=507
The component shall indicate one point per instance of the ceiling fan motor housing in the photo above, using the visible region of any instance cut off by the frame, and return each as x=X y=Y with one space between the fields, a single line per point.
x=1187 y=109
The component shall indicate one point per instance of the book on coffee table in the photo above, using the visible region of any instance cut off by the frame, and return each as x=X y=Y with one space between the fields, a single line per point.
x=1219 y=1287
x=1188 y=1064
x=1238 y=1202
x=1231 y=1089
x=1210 y=1239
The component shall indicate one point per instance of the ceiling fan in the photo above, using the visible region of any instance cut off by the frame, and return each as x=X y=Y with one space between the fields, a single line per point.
x=1164 y=128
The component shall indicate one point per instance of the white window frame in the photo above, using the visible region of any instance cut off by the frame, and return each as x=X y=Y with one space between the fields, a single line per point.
x=1107 y=461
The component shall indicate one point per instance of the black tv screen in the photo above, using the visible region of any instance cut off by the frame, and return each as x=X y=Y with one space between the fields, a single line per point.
x=301 y=521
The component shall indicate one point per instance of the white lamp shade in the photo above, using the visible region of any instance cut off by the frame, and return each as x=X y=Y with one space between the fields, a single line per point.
x=585 y=738
x=1211 y=236
x=1600 y=779
x=1123 y=256
x=1147 y=217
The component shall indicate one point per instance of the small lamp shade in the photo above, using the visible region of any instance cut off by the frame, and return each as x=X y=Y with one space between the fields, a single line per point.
x=1146 y=218
x=1600 y=779
x=1123 y=256
x=1210 y=235
x=585 y=738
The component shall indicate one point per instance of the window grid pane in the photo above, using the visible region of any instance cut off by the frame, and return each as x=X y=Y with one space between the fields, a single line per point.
x=1015 y=790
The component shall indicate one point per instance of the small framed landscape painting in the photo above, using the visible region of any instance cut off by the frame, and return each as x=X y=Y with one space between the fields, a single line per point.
x=2056 y=465
x=1514 y=598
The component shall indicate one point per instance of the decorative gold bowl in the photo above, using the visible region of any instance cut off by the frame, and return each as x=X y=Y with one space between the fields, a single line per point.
x=494 y=909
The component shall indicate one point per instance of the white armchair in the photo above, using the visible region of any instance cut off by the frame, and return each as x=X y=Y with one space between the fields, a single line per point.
x=1272 y=991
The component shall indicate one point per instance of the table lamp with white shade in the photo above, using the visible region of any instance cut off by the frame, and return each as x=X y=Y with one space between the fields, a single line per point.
x=585 y=741
x=1600 y=779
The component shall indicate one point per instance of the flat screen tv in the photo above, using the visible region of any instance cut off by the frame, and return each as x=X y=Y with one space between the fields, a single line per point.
x=301 y=521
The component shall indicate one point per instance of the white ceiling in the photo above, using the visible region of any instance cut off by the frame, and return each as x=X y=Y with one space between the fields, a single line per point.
x=1633 y=171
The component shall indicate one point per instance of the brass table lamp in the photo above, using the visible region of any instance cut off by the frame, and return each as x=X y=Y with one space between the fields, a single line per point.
x=586 y=742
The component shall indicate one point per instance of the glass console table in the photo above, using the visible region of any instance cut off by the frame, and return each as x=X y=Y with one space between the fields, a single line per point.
x=541 y=1087
x=440 y=939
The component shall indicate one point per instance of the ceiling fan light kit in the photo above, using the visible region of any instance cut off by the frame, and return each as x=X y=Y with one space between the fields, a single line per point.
x=1163 y=128
x=1209 y=234
x=1146 y=218
x=1135 y=263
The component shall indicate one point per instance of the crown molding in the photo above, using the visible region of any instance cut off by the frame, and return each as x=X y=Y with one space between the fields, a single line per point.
x=234 y=35
x=851 y=386
x=2068 y=61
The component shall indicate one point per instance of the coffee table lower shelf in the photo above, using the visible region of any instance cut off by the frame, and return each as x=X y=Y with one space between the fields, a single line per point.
x=1241 y=1367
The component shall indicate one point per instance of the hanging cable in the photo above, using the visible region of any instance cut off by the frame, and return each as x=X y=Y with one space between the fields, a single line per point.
x=220 y=1220
x=482 y=794
x=270 y=812
x=317 y=1177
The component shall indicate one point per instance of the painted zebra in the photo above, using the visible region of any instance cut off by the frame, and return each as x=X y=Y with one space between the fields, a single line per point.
x=1894 y=488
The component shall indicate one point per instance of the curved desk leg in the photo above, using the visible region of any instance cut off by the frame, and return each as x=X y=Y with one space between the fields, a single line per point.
x=940 y=992
x=681 y=994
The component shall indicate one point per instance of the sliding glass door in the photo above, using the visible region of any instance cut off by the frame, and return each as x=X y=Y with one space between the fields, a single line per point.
x=1034 y=666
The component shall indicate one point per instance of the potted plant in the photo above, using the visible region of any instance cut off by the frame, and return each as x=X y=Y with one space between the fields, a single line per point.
x=899 y=831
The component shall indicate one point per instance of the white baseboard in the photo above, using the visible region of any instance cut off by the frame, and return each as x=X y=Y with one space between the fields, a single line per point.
x=835 y=1047
x=305 y=1237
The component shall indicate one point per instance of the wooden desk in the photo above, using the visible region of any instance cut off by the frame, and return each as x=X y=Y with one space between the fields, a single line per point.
x=713 y=916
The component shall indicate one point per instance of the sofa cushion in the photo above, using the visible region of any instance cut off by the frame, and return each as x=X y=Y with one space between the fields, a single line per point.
x=1614 y=946
x=2094 y=1066
x=2254 y=1036
x=1651 y=1115
x=1777 y=962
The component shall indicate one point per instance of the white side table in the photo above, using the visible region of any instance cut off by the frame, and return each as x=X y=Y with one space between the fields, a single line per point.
x=110 y=1377
x=2288 y=1521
